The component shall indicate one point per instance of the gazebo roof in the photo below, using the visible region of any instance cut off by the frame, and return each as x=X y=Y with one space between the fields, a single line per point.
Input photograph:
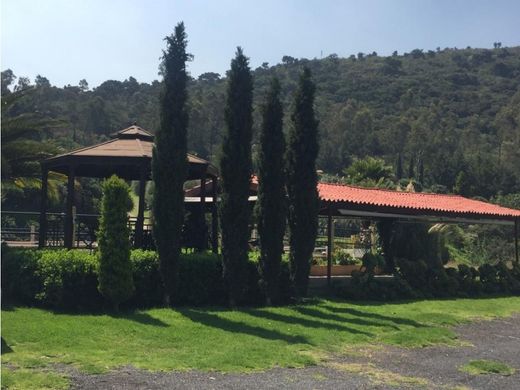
x=129 y=151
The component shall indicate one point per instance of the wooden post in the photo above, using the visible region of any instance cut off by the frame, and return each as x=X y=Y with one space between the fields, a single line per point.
x=329 y=246
x=68 y=225
x=42 y=236
x=203 y=242
x=516 y=241
x=214 y=216
x=139 y=223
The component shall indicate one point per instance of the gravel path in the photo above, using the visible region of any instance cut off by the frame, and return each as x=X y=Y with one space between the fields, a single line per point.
x=377 y=368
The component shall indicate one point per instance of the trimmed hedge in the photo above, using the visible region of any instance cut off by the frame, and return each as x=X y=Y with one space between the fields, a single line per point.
x=62 y=279
x=414 y=279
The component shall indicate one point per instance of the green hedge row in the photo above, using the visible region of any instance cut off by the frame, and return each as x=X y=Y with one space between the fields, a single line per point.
x=62 y=279
x=414 y=279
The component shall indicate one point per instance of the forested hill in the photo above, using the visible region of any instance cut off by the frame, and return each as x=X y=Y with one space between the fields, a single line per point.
x=456 y=112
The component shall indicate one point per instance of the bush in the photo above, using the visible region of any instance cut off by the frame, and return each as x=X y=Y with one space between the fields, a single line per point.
x=20 y=284
x=115 y=271
x=341 y=257
x=68 y=279
x=62 y=279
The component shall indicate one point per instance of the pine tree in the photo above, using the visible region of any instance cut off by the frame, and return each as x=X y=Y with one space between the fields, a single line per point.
x=302 y=179
x=115 y=270
x=169 y=163
x=235 y=170
x=399 y=167
x=272 y=202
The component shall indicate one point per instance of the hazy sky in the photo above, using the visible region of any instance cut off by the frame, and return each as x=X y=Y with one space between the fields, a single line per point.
x=68 y=40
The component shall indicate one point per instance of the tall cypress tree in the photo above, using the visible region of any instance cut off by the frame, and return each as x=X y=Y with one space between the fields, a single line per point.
x=411 y=167
x=272 y=201
x=169 y=163
x=399 y=167
x=420 y=170
x=235 y=171
x=302 y=180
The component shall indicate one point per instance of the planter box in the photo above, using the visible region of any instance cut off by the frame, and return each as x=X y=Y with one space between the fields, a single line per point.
x=338 y=270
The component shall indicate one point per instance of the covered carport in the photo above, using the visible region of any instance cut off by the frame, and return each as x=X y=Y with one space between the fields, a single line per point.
x=338 y=200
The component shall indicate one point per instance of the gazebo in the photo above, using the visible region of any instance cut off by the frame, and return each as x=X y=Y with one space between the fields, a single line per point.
x=128 y=155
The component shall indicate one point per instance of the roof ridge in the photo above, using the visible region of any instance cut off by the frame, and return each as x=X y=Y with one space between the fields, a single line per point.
x=83 y=148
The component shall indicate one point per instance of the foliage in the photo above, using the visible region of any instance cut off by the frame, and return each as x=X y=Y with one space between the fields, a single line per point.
x=169 y=162
x=20 y=283
x=302 y=150
x=235 y=170
x=342 y=257
x=68 y=280
x=115 y=271
x=271 y=207
x=369 y=172
x=62 y=279
x=26 y=139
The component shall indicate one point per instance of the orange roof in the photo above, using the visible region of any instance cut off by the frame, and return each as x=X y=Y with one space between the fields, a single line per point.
x=411 y=200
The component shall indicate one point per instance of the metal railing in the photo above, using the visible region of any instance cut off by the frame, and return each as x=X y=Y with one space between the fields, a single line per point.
x=22 y=228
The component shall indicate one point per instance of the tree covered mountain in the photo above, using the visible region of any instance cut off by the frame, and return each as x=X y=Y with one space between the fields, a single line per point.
x=452 y=116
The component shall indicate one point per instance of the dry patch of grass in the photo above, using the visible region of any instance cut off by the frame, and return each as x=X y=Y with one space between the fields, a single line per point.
x=379 y=376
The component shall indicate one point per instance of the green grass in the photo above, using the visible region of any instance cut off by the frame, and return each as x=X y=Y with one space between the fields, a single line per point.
x=480 y=367
x=229 y=340
x=23 y=379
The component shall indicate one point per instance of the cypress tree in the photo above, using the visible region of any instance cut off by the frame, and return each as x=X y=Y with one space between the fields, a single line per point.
x=169 y=163
x=399 y=167
x=271 y=204
x=302 y=180
x=420 y=170
x=235 y=171
x=115 y=270
x=411 y=167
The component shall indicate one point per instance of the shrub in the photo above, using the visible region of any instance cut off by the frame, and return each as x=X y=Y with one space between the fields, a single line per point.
x=20 y=283
x=115 y=271
x=344 y=258
x=68 y=280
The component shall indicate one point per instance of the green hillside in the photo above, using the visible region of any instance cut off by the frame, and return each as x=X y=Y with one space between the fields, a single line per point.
x=450 y=110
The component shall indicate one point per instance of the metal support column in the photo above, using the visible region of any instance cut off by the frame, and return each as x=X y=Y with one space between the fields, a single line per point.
x=69 y=218
x=516 y=241
x=43 y=209
x=329 y=246
x=214 y=216
x=139 y=223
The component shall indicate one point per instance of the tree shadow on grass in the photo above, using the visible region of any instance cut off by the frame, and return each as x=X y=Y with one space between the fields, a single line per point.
x=228 y=325
x=310 y=323
x=5 y=348
x=140 y=317
x=135 y=316
x=381 y=317
x=334 y=317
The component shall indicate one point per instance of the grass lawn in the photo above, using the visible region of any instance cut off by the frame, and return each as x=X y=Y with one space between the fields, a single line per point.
x=481 y=367
x=224 y=340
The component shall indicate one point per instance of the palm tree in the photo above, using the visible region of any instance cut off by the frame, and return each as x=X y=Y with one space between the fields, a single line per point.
x=24 y=145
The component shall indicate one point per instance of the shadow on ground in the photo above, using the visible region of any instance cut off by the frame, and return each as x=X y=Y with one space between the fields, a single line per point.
x=228 y=325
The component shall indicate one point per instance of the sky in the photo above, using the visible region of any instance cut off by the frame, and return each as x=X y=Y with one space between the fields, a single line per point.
x=99 y=40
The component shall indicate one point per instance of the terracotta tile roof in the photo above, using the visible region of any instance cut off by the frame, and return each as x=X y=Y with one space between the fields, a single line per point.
x=411 y=200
